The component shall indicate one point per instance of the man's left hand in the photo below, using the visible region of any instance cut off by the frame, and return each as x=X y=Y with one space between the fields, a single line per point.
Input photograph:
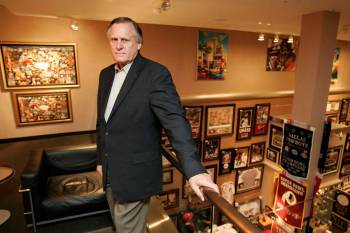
x=200 y=181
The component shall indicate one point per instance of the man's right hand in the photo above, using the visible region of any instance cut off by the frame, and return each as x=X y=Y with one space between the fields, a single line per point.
x=99 y=169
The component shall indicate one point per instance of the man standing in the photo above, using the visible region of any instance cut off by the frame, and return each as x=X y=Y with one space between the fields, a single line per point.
x=136 y=99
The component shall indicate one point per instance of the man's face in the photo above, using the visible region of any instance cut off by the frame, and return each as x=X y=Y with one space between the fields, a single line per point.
x=123 y=41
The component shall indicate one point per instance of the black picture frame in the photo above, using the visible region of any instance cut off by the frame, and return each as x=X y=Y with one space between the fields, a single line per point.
x=226 y=160
x=219 y=120
x=257 y=151
x=332 y=160
x=244 y=123
x=170 y=198
x=249 y=178
x=272 y=155
x=211 y=149
x=167 y=176
x=275 y=137
x=261 y=119
x=194 y=115
x=212 y=171
x=242 y=157
x=344 y=110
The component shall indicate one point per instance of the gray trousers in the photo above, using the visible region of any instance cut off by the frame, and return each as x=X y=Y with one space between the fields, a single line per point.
x=128 y=217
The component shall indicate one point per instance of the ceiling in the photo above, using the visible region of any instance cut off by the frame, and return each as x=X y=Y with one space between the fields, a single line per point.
x=244 y=15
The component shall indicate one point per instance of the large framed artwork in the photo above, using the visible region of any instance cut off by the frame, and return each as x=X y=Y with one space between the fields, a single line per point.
x=249 y=178
x=281 y=55
x=211 y=149
x=244 y=123
x=219 y=120
x=211 y=55
x=194 y=116
x=42 y=107
x=261 y=120
x=34 y=65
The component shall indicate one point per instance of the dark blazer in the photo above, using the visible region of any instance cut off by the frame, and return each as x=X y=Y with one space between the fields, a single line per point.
x=128 y=145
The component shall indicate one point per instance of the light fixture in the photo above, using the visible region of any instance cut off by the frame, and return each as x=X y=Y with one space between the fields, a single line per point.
x=261 y=37
x=74 y=25
x=164 y=5
x=276 y=38
x=290 y=39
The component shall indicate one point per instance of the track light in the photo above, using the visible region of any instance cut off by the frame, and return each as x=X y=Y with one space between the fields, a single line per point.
x=164 y=5
x=261 y=37
x=290 y=39
x=74 y=25
x=276 y=38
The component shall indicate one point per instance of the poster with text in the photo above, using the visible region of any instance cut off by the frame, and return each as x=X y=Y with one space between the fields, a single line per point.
x=296 y=148
x=290 y=201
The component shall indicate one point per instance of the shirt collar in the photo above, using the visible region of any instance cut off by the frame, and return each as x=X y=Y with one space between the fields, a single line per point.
x=125 y=68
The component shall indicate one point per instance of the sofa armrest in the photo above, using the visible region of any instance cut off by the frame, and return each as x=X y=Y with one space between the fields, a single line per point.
x=34 y=169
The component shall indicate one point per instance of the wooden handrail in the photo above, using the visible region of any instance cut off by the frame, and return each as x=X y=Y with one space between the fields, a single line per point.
x=232 y=214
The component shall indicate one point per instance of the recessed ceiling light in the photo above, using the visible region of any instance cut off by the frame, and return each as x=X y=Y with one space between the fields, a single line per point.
x=268 y=24
x=259 y=22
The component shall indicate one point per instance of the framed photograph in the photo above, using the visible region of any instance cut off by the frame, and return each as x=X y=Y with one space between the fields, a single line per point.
x=332 y=159
x=42 y=107
x=227 y=191
x=244 y=123
x=242 y=155
x=261 y=119
x=226 y=160
x=211 y=55
x=249 y=178
x=219 y=120
x=333 y=107
x=167 y=176
x=170 y=198
x=250 y=208
x=281 y=55
x=257 y=151
x=35 y=65
x=272 y=155
x=194 y=116
x=212 y=171
x=344 y=110
x=276 y=137
x=211 y=149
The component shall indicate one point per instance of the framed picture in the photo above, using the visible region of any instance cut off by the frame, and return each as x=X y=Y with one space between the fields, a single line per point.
x=167 y=176
x=170 y=198
x=250 y=208
x=227 y=191
x=211 y=55
x=244 y=123
x=35 y=65
x=332 y=117
x=42 y=107
x=335 y=65
x=257 y=151
x=272 y=155
x=226 y=160
x=241 y=160
x=331 y=163
x=261 y=119
x=347 y=144
x=194 y=116
x=249 y=178
x=333 y=107
x=212 y=171
x=276 y=137
x=281 y=55
x=219 y=120
x=211 y=149
x=344 y=110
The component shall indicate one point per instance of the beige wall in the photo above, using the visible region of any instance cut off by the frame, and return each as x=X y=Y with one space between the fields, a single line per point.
x=173 y=46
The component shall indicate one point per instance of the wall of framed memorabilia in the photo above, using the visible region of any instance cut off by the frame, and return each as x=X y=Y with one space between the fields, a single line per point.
x=246 y=61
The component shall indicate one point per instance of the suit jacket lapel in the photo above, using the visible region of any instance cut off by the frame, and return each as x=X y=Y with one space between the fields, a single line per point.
x=130 y=79
x=106 y=89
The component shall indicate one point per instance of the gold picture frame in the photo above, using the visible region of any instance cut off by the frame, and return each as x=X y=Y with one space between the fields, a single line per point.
x=42 y=107
x=39 y=65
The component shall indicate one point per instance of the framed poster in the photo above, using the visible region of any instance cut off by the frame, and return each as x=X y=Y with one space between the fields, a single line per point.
x=219 y=120
x=250 y=208
x=281 y=55
x=272 y=155
x=170 y=199
x=344 y=110
x=211 y=149
x=36 y=65
x=276 y=137
x=341 y=205
x=167 y=176
x=194 y=116
x=257 y=151
x=249 y=178
x=332 y=158
x=226 y=160
x=244 y=123
x=242 y=155
x=261 y=119
x=211 y=55
x=42 y=107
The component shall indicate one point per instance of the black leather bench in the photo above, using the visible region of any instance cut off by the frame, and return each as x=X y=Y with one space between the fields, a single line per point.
x=62 y=183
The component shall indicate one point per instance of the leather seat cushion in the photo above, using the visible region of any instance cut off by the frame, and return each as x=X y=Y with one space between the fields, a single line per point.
x=73 y=194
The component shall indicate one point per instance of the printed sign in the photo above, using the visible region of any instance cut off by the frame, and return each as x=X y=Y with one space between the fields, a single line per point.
x=289 y=201
x=296 y=149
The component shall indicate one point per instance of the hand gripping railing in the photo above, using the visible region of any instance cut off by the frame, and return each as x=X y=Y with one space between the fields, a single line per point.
x=236 y=218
